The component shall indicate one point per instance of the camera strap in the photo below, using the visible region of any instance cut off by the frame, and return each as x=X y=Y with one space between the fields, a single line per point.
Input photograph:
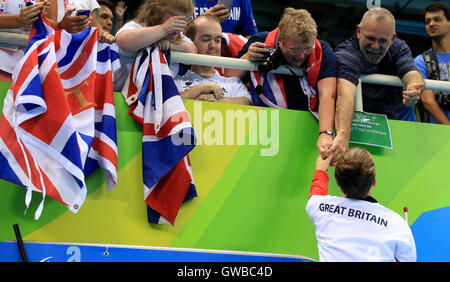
x=293 y=73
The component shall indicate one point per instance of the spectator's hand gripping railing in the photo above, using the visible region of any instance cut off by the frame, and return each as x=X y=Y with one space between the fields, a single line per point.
x=224 y=62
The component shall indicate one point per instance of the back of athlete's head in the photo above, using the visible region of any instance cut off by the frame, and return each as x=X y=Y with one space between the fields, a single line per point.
x=355 y=172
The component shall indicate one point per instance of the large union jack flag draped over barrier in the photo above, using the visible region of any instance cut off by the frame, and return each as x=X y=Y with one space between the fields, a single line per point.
x=58 y=122
x=168 y=135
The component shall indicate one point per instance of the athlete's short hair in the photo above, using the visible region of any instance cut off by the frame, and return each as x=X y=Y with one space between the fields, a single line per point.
x=355 y=172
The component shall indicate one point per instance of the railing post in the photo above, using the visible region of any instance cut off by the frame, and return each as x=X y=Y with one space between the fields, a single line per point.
x=358 y=97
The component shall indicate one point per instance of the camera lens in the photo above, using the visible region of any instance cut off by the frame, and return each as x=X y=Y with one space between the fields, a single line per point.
x=265 y=66
x=272 y=61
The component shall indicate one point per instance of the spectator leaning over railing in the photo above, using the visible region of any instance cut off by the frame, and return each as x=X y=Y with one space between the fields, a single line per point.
x=15 y=17
x=238 y=20
x=435 y=62
x=294 y=43
x=374 y=49
x=158 y=21
x=204 y=82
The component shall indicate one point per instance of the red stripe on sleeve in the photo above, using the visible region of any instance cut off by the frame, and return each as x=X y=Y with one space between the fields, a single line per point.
x=319 y=185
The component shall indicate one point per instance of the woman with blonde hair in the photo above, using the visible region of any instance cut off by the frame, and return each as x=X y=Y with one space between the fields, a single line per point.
x=158 y=22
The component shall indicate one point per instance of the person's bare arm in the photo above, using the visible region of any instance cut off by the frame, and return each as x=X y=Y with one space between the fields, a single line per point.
x=133 y=40
x=414 y=85
x=210 y=88
x=345 y=105
x=235 y=100
x=27 y=16
x=430 y=104
x=327 y=98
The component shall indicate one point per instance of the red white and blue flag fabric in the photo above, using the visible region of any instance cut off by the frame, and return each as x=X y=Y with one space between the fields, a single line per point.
x=58 y=122
x=268 y=89
x=168 y=136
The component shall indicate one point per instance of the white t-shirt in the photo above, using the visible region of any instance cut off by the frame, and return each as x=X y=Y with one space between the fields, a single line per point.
x=358 y=230
x=84 y=4
x=233 y=86
x=11 y=54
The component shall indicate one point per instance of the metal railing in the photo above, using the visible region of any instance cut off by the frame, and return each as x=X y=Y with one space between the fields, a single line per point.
x=9 y=39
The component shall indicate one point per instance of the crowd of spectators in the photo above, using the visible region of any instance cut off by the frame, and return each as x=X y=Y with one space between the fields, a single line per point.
x=204 y=27
x=327 y=89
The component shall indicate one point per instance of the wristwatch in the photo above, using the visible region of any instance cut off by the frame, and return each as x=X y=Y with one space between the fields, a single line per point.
x=329 y=132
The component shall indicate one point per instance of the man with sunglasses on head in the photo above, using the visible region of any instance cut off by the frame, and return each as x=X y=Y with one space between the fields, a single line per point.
x=374 y=49
x=294 y=44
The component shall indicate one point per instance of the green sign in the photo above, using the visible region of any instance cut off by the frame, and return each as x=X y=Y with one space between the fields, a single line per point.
x=371 y=129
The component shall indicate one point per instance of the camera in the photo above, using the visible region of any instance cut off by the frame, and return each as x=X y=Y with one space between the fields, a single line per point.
x=272 y=61
x=444 y=101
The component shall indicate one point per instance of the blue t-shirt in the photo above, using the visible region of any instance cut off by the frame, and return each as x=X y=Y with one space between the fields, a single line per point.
x=241 y=20
x=296 y=99
x=444 y=73
x=379 y=99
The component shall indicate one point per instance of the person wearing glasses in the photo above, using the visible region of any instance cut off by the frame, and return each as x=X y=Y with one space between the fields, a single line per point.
x=374 y=49
x=294 y=44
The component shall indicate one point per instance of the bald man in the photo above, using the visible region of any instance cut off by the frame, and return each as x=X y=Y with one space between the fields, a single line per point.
x=374 y=49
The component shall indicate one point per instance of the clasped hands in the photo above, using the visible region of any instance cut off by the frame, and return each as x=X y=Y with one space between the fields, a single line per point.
x=412 y=94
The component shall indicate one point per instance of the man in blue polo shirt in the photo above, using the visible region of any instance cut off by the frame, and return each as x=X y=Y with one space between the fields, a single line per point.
x=374 y=49
x=437 y=24
x=238 y=20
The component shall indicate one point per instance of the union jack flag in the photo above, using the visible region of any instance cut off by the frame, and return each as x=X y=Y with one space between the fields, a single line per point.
x=58 y=122
x=168 y=135
x=268 y=91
